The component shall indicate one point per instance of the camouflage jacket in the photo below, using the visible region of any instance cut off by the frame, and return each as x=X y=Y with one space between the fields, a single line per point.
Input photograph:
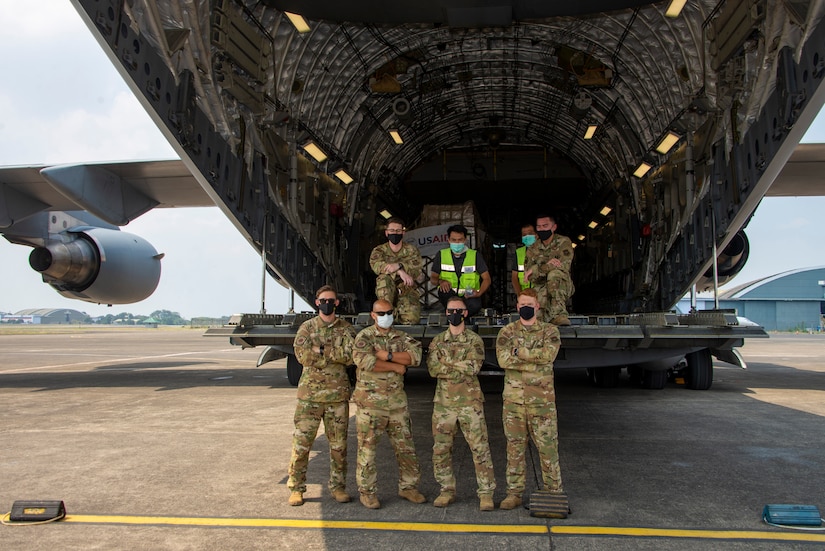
x=408 y=256
x=325 y=375
x=455 y=361
x=383 y=390
x=528 y=376
x=538 y=256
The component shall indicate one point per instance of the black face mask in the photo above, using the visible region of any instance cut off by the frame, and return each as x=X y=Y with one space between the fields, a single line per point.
x=455 y=318
x=526 y=312
x=395 y=238
x=326 y=308
x=544 y=235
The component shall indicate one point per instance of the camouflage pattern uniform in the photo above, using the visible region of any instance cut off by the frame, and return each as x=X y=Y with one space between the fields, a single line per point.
x=530 y=400
x=382 y=406
x=553 y=285
x=323 y=394
x=455 y=361
x=389 y=287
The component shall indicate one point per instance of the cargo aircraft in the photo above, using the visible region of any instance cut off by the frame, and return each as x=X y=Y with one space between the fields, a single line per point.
x=651 y=129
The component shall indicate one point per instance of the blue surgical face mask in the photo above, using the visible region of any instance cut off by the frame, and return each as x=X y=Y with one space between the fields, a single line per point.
x=528 y=240
x=457 y=247
x=385 y=321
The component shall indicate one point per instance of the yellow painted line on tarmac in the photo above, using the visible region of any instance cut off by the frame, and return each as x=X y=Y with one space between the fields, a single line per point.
x=310 y=524
x=529 y=529
x=676 y=533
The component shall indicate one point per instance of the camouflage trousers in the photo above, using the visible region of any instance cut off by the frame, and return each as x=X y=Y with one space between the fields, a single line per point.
x=405 y=300
x=474 y=427
x=553 y=294
x=370 y=424
x=308 y=417
x=541 y=424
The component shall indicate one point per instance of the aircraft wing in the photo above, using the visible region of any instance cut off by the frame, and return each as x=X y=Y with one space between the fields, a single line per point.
x=803 y=175
x=116 y=192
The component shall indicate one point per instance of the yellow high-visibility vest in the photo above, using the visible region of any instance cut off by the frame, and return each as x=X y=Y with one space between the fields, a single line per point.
x=469 y=275
x=521 y=252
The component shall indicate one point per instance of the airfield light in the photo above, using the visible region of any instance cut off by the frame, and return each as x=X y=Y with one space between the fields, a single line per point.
x=675 y=8
x=396 y=137
x=592 y=225
x=343 y=175
x=298 y=22
x=667 y=142
x=591 y=129
x=642 y=169
x=316 y=152
x=386 y=214
x=605 y=210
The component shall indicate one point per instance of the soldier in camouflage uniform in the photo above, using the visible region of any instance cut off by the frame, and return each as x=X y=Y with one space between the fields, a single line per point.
x=323 y=345
x=526 y=349
x=397 y=265
x=547 y=266
x=382 y=355
x=455 y=358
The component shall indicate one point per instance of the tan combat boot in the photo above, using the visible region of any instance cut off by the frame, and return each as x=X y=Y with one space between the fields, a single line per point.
x=370 y=501
x=413 y=495
x=510 y=502
x=561 y=319
x=444 y=499
x=341 y=496
x=296 y=498
x=485 y=503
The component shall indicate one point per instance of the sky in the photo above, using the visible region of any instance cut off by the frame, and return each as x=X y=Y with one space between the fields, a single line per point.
x=62 y=101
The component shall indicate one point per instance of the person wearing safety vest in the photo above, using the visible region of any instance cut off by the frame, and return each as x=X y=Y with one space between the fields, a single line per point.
x=528 y=237
x=460 y=271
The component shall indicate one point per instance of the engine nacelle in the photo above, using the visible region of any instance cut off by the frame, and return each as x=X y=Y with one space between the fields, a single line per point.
x=730 y=262
x=99 y=265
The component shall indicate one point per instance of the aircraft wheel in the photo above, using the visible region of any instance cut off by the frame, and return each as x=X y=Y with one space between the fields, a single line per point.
x=654 y=380
x=293 y=370
x=699 y=370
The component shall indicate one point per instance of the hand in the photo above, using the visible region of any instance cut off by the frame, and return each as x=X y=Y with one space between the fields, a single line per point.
x=406 y=278
x=527 y=275
x=555 y=262
x=444 y=285
x=390 y=268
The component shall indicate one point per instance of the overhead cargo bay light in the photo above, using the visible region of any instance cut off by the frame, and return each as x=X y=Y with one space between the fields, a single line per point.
x=343 y=175
x=316 y=152
x=385 y=214
x=591 y=129
x=299 y=22
x=675 y=8
x=642 y=169
x=396 y=137
x=667 y=143
x=605 y=210
x=593 y=225
x=581 y=237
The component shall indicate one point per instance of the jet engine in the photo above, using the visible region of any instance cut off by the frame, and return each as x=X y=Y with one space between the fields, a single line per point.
x=99 y=265
x=730 y=262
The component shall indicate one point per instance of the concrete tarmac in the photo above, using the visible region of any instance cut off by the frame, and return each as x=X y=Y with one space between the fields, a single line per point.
x=165 y=439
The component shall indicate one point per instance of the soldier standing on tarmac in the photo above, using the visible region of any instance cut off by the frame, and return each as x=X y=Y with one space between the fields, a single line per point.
x=455 y=358
x=323 y=345
x=528 y=237
x=547 y=266
x=397 y=265
x=526 y=349
x=382 y=355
